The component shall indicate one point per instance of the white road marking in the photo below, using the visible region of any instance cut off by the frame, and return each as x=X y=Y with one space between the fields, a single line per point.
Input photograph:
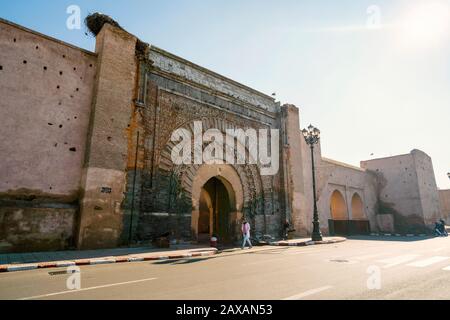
x=391 y=262
x=428 y=262
x=308 y=293
x=86 y=289
x=102 y=261
x=65 y=263
x=134 y=259
x=446 y=268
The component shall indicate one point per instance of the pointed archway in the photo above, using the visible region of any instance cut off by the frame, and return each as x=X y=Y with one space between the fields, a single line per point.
x=217 y=199
x=338 y=207
x=214 y=211
x=358 y=208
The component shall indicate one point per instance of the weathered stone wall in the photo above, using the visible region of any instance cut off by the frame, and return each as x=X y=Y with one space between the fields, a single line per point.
x=429 y=195
x=349 y=181
x=107 y=157
x=405 y=190
x=297 y=170
x=32 y=228
x=189 y=72
x=385 y=223
x=179 y=93
x=46 y=93
x=330 y=176
x=444 y=199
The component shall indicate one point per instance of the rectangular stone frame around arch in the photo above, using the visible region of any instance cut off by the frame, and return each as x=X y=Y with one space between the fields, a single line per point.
x=228 y=175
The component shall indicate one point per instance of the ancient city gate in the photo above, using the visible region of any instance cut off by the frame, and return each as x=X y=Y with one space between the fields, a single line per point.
x=193 y=201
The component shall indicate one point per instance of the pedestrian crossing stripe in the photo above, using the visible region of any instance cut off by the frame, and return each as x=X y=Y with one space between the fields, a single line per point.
x=407 y=259
x=395 y=261
x=428 y=262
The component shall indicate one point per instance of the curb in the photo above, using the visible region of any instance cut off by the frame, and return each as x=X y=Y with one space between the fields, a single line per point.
x=398 y=235
x=305 y=243
x=96 y=261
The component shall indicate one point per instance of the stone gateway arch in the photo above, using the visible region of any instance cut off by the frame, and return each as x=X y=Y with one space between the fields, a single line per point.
x=184 y=192
x=217 y=197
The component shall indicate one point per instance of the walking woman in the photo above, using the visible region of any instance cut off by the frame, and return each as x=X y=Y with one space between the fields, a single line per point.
x=246 y=234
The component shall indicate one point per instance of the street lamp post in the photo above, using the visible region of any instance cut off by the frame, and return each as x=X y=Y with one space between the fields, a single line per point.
x=312 y=137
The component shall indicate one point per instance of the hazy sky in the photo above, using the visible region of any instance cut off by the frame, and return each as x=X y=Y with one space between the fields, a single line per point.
x=383 y=90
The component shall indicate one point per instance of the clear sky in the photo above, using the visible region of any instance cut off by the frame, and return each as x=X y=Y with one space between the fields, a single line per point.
x=375 y=80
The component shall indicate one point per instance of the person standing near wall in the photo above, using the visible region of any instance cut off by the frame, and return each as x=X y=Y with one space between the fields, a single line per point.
x=286 y=228
x=246 y=234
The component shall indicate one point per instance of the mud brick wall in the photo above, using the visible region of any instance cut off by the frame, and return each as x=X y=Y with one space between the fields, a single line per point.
x=46 y=92
x=154 y=224
x=45 y=102
x=24 y=228
x=429 y=194
x=110 y=141
x=444 y=199
x=407 y=190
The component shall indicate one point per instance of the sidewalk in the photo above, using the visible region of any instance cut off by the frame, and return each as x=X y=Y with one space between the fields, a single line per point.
x=301 y=242
x=38 y=260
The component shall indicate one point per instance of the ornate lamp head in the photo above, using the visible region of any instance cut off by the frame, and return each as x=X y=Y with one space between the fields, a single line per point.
x=311 y=135
x=305 y=132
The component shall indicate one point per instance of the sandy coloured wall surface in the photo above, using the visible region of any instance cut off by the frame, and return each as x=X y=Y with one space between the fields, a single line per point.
x=46 y=91
x=356 y=186
x=444 y=199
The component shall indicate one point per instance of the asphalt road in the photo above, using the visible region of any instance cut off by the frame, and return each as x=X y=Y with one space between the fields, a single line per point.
x=363 y=268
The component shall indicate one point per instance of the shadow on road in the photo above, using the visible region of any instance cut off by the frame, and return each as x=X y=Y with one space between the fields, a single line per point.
x=180 y=261
x=276 y=250
x=227 y=252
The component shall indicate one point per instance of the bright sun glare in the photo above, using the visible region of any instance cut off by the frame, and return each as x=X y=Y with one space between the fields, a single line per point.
x=425 y=24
